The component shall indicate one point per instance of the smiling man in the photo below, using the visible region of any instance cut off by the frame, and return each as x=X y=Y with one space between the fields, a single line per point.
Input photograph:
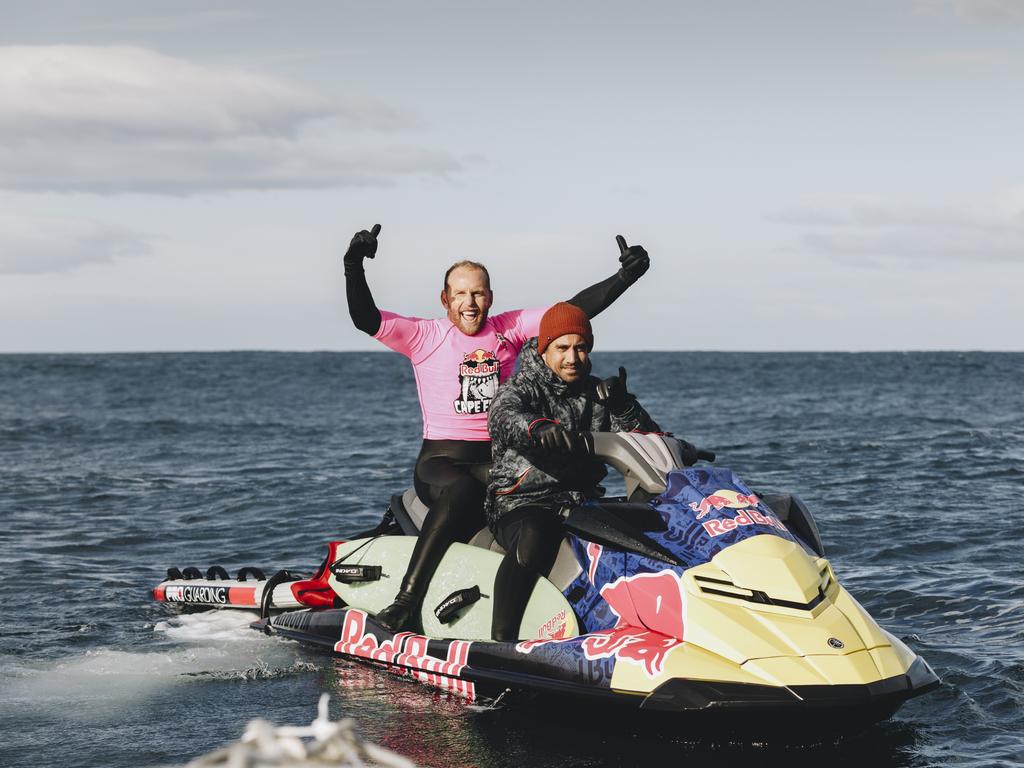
x=542 y=461
x=459 y=362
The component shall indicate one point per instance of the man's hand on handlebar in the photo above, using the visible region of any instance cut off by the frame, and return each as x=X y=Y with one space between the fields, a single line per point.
x=552 y=438
x=689 y=454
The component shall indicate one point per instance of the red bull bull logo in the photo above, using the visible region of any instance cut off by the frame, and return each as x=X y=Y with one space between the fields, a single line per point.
x=651 y=600
x=721 y=500
x=627 y=644
x=630 y=644
x=729 y=499
x=650 y=609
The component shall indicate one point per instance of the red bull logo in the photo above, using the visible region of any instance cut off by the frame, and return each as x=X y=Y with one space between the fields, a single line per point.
x=479 y=363
x=556 y=626
x=630 y=644
x=729 y=499
x=408 y=651
x=722 y=499
x=651 y=600
x=479 y=377
x=650 y=609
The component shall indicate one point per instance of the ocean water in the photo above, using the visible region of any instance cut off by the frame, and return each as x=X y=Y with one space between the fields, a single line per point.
x=114 y=467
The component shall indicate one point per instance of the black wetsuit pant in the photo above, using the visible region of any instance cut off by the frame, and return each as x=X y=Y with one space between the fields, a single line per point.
x=531 y=535
x=451 y=479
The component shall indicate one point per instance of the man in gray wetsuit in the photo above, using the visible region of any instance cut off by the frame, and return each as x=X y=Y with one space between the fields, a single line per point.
x=541 y=461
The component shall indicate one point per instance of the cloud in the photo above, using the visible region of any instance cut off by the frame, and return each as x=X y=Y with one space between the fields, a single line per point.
x=32 y=246
x=873 y=235
x=124 y=119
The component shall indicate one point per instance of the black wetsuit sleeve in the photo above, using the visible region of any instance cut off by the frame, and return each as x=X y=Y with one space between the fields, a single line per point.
x=599 y=297
x=362 y=309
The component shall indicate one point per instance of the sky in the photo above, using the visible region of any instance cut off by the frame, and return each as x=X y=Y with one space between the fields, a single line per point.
x=806 y=175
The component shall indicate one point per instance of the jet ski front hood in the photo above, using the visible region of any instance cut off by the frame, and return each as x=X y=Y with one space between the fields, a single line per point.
x=763 y=612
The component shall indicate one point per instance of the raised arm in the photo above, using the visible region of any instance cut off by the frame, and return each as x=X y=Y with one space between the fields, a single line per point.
x=598 y=297
x=625 y=411
x=361 y=307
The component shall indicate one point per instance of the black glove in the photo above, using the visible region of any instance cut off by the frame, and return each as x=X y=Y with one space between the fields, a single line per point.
x=363 y=245
x=635 y=261
x=553 y=438
x=612 y=393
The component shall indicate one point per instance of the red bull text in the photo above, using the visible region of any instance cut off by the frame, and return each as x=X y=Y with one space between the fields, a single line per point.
x=727 y=499
x=408 y=651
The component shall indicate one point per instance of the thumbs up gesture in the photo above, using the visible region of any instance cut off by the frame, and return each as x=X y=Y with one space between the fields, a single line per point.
x=363 y=245
x=634 y=259
x=612 y=393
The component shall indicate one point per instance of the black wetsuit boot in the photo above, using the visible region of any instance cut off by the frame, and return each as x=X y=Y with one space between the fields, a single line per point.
x=455 y=515
x=403 y=613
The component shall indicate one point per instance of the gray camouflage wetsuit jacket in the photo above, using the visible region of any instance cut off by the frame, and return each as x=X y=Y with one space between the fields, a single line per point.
x=520 y=473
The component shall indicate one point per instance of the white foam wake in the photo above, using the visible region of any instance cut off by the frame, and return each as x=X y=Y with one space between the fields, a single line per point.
x=212 y=644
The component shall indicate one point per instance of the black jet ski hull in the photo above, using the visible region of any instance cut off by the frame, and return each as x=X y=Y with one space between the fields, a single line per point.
x=485 y=671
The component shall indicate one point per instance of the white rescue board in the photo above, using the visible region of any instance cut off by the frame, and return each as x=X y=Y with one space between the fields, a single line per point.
x=548 y=614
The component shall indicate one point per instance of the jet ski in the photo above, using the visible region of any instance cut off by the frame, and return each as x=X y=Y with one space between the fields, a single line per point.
x=691 y=597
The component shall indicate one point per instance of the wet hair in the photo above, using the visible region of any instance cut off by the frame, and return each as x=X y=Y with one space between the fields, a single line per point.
x=471 y=265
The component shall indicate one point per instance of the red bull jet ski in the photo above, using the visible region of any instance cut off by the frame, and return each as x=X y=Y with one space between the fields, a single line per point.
x=693 y=597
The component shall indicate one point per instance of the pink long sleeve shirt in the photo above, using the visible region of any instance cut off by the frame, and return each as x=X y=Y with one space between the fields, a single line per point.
x=457 y=375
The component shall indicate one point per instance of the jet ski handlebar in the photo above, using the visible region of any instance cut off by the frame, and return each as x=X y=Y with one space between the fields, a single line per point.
x=664 y=437
x=644 y=459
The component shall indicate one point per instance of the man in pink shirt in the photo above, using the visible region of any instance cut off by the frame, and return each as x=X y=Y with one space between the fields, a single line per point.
x=458 y=362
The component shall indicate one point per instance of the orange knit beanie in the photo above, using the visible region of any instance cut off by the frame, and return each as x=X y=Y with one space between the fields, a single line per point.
x=561 y=319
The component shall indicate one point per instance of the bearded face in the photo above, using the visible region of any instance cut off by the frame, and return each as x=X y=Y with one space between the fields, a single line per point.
x=467 y=299
x=568 y=356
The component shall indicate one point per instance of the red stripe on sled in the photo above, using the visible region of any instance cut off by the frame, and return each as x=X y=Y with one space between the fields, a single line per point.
x=242 y=595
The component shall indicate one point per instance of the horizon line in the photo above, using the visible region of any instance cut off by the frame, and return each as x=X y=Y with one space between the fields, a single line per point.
x=4 y=353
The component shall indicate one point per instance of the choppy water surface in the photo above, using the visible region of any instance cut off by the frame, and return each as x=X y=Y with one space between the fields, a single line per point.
x=117 y=466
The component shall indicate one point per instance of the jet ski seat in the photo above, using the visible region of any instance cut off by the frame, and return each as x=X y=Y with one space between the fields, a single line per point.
x=410 y=512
